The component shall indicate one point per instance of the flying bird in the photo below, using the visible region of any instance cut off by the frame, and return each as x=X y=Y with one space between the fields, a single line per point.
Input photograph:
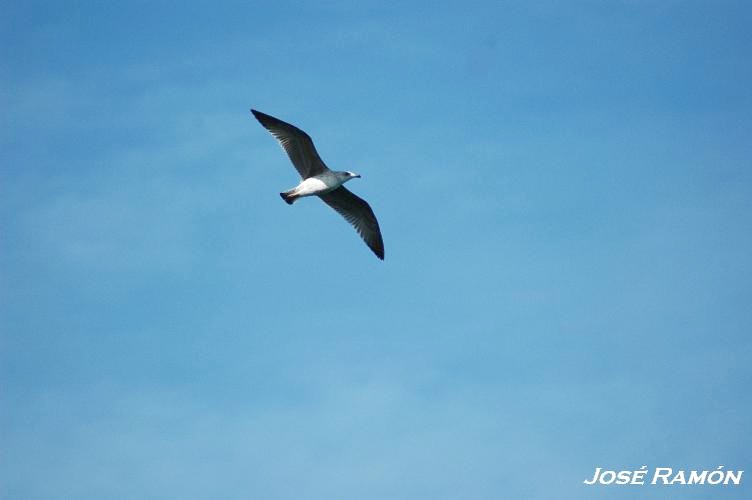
x=317 y=179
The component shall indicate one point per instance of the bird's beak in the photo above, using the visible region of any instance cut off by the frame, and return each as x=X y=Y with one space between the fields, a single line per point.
x=357 y=175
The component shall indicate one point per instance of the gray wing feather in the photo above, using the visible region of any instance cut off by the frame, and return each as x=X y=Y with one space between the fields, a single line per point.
x=296 y=143
x=358 y=213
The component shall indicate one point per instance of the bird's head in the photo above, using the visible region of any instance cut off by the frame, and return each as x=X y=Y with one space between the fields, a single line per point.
x=347 y=175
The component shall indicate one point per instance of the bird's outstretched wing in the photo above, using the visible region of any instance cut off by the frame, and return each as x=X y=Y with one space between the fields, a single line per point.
x=296 y=143
x=358 y=213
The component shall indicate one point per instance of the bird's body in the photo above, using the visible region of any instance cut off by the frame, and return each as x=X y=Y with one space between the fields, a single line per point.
x=319 y=180
x=317 y=185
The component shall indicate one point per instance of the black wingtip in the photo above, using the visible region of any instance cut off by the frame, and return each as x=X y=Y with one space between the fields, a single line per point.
x=259 y=115
x=264 y=119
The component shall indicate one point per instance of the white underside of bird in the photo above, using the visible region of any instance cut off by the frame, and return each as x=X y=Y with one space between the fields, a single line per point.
x=318 y=184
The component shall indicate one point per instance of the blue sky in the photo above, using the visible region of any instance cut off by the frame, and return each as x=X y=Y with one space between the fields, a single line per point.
x=564 y=190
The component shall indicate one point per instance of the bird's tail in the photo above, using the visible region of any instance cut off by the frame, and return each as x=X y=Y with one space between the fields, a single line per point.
x=288 y=196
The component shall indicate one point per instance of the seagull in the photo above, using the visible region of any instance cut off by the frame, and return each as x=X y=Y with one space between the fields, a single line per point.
x=318 y=180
